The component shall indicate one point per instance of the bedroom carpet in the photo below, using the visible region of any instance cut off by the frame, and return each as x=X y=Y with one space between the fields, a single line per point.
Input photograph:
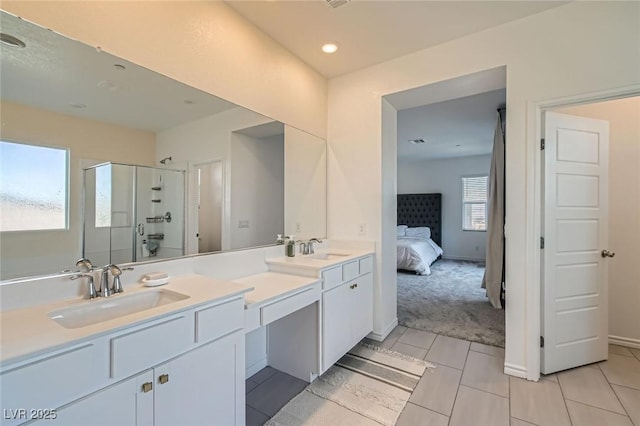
x=451 y=302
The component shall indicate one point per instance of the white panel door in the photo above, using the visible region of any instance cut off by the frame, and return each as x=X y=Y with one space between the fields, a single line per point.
x=575 y=229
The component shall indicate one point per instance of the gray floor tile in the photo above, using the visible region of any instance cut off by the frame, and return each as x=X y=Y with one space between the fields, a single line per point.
x=589 y=386
x=274 y=393
x=255 y=417
x=390 y=339
x=414 y=415
x=437 y=389
x=553 y=377
x=585 y=415
x=419 y=338
x=448 y=351
x=486 y=349
x=413 y=351
x=540 y=402
x=250 y=385
x=619 y=350
x=518 y=422
x=263 y=375
x=474 y=407
x=630 y=399
x=622 y=370
x=485 y=372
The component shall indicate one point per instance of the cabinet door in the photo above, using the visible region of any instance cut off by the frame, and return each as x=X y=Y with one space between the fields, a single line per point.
x=361 y=300
x=335 y=324
x=122 y=404
x=202 y=387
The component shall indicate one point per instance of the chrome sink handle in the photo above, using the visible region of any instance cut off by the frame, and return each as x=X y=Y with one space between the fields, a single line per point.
x=85 y=265
x=92 y=288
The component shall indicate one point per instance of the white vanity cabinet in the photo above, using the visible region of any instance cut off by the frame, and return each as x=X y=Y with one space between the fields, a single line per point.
x=185 y=368
x=347 y=308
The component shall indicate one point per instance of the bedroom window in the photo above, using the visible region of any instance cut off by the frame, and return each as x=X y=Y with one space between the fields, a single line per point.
x=474 y=203
x=33 y=187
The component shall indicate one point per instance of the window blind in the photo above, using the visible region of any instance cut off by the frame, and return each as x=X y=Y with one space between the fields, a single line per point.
x=474 y=203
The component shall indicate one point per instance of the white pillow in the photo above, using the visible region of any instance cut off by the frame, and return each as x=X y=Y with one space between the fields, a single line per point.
x=419 y=232
x=401 y=230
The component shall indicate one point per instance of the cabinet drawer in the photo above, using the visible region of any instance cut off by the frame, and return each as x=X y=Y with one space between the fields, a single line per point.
x=366 y=265
x=216 y=321
x=136 y=351
x=350 y=270
x=251 y=319
x=331 y=278
x=284 y=307
x=52 y=381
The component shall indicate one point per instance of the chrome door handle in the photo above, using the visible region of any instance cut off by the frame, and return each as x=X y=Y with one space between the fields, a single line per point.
x=607 y=253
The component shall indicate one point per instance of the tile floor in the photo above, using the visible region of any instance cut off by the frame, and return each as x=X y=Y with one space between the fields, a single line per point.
x=468 y=387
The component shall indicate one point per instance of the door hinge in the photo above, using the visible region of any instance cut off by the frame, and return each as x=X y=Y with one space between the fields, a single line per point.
x=541 y=242
x=542 y=144
x=542 y=341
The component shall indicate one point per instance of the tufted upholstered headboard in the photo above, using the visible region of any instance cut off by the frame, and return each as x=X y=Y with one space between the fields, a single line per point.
x=422 y=210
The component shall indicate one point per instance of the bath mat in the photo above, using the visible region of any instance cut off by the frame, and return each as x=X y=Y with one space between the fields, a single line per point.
x=368 y=386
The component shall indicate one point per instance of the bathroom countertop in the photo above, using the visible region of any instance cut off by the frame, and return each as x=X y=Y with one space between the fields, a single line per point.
x=309 y=266
x=269 y=286
x=28 y=332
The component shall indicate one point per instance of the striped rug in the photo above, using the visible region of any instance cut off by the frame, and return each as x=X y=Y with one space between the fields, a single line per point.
x=368 y=386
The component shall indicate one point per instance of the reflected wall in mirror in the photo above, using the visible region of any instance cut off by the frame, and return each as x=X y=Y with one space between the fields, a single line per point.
x=247 y=177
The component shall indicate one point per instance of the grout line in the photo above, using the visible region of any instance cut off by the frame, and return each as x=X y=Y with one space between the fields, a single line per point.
x=603 y=409
x=616 y=394
x=564 y=400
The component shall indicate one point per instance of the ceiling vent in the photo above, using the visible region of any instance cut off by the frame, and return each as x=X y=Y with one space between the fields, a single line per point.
x=337 y=3
x=416 y=141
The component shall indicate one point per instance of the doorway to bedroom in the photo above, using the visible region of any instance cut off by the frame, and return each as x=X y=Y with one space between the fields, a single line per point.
x=446 y=134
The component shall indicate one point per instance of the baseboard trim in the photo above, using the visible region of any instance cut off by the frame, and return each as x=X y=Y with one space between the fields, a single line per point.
x=256 y=366
x=379 y=337
x=468 y=259
x=515 y=370
x=624 y=341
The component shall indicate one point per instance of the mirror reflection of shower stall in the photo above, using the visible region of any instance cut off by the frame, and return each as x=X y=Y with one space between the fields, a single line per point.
x=132 y=213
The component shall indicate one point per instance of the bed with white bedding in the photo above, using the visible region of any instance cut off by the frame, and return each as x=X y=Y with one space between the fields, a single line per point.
x=417 y=253
x=419 y=231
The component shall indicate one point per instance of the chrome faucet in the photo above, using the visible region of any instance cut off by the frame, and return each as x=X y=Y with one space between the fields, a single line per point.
x=105 y=291
x=307 y=248
x=116 y=271
x=92 y=288
x=310 y=244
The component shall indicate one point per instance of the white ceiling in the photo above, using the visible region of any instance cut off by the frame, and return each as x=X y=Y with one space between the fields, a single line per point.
x=370 y=32
x=454 y=128
x=54 y=73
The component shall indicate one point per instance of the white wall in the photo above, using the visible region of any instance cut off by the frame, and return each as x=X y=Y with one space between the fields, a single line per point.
x=444 y=176
x=206 y=45
x=257 y=190
x=576 y=48
x=30 y=253
x=624 y=212
x=305 y=193
x=201 y=141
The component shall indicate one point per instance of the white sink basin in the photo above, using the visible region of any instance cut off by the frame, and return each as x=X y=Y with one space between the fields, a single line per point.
x=95 y=311
x=327 y=256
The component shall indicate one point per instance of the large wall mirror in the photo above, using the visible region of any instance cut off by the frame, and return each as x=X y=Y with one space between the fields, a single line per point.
x=92 y=141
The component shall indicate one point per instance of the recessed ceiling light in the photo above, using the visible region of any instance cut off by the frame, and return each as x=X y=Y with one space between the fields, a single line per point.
x=416 y=141
x=9 y=40
x=330 y=48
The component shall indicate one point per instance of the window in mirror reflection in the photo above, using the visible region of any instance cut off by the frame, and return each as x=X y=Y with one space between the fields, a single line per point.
x=33 y=187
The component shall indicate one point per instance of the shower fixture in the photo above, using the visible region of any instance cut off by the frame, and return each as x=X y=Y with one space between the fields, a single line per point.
x=164 y=160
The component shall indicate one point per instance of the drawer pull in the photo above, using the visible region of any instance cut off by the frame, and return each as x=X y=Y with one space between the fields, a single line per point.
x=164 y=378
x=147 y=387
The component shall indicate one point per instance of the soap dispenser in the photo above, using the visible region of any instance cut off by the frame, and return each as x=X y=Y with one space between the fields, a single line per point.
x=291 y=246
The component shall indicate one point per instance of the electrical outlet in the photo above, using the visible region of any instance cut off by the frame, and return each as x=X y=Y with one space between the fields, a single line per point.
x=243 y=224
x=477 y=248
x=362 y=229
x=298 y=227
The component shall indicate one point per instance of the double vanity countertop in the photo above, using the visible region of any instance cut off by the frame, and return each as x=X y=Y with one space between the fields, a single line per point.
x=31 y=331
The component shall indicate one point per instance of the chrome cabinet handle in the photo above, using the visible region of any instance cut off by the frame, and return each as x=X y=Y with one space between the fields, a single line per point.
x=607 y=253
